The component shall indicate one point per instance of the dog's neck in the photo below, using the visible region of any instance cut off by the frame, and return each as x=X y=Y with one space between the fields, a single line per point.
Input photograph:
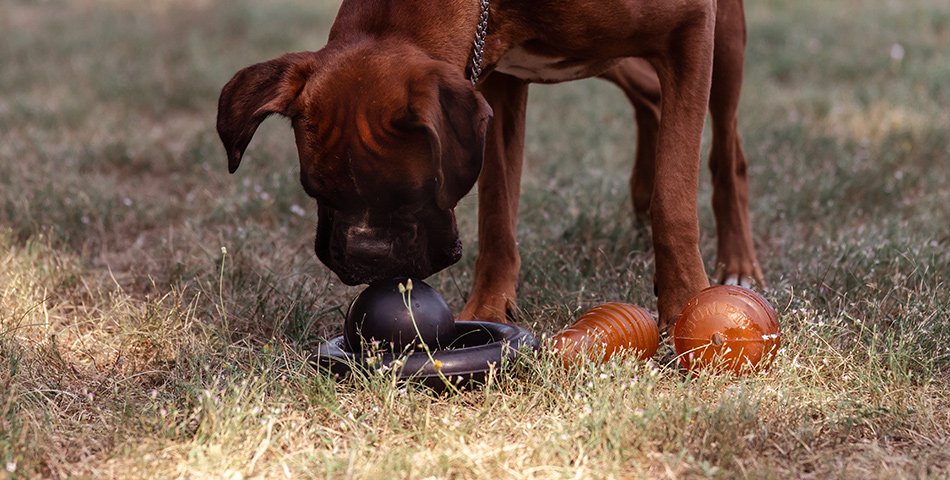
x=443 y=29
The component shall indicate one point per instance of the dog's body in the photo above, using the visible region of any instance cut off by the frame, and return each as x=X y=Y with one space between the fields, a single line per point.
x=391 y=134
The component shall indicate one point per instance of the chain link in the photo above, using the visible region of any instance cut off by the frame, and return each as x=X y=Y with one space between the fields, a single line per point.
x=479 y=47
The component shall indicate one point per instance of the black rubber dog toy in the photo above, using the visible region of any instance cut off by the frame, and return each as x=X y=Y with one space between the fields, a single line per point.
x=380 y=334
x=398 y=315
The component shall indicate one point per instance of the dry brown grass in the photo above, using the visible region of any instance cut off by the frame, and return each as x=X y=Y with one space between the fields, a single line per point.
x=131 y=346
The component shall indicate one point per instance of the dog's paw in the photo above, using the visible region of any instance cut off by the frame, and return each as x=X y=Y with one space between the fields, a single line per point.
x=498 y=308
x=673 y=298
x=744 y=272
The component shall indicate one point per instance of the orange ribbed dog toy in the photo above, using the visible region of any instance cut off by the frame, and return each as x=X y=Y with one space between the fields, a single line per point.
x=729 y=327
x=608 y=329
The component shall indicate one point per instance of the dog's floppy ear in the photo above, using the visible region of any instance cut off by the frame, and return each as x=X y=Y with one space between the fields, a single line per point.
x=456 y=119
x=256 y=92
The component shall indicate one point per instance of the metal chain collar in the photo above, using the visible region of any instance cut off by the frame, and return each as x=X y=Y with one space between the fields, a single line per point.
x=479 y=47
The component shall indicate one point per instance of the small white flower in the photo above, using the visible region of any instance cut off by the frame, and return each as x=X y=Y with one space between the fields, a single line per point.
x=11 y=467
x=224 y=250
x=897 y=52
x=297 y=210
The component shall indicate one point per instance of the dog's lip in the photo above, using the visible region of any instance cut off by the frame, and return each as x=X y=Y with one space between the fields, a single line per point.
x=353 y=280
x=368 y=274
x=415 y=263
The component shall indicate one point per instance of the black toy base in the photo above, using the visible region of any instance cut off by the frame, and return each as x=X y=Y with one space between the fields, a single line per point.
x=478 y=347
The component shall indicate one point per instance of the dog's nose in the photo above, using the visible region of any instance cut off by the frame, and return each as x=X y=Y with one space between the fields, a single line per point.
x=365 y=243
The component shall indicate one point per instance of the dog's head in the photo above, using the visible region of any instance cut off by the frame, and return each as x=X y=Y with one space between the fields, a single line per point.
x=389 y=141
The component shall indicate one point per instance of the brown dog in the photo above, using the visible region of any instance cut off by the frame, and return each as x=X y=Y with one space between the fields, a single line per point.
x=391 y=133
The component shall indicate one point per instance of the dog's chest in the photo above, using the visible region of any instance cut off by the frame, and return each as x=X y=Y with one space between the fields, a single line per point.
x=533 y=67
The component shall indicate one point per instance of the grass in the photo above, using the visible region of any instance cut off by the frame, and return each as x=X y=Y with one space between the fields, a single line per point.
x=156 y=313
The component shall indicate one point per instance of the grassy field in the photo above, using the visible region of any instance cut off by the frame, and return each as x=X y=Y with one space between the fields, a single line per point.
x=156 y=313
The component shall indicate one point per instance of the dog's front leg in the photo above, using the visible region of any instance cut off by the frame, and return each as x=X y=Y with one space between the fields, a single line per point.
x=736 y=262
x=685 y=72
x=496 y=269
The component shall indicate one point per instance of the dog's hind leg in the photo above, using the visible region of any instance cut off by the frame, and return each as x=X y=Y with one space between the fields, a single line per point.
x=736 y=261
x=638 y=80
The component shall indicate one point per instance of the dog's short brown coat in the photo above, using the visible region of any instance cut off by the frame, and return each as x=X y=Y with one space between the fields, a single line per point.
x=391 y=134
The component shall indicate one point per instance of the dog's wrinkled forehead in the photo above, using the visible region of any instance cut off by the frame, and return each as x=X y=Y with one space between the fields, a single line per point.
x=353 y=125
x=371 y=75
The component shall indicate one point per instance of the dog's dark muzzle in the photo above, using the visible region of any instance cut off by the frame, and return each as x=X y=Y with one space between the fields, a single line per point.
x=359 y=251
